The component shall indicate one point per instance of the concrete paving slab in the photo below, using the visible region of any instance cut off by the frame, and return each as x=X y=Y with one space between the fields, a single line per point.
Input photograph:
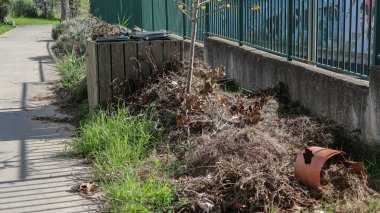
x=32 y=176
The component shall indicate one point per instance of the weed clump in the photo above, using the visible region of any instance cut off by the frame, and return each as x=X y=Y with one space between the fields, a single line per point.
x=72 y=69
x=117 y=142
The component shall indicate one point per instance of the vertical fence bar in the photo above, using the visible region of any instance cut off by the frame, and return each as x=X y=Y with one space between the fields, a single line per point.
x=241 y=25
x=312 y=30
x=207 y=20
x=303 y=30
x=349 y=37
x=315 y=28
x=370 y=36
x=184 y=25
x=167 y=15
x=255 y=39
x=152 y=1
x=363 y=37
x=344 y=35
x=271 y=24
x=260 y=24
x=332 y=32
x=327 y=32
x=278 y=27
x=268 y=24
x=299 y=28
x=322 y=27
x=283 y=29
x=290 y=29
x=356 y=36
x=377 y=34
x=295 y=29
x=338 y=32
x=280 y=22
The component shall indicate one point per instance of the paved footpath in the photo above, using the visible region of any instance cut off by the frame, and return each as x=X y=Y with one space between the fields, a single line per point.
x=32 y=176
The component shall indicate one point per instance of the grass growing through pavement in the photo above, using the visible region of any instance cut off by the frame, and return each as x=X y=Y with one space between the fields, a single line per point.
x=34 y=21
x=5 y=28
x=72 y=69
x=117 y=143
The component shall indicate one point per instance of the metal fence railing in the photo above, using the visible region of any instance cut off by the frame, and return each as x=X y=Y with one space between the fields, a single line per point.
x=335 y=34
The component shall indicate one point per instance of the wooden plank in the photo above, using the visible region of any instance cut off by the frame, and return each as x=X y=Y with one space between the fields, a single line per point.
x=130 y=54
x=158 y=54
x=172 y=50
x=92 y=74
x=142 y=47
x=104 y=60
x=117 y=75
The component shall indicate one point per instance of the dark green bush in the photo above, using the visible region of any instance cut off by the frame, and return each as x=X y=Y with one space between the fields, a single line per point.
x=56 y=31
x=24 y=8
x=4 y=9
x=51 y=14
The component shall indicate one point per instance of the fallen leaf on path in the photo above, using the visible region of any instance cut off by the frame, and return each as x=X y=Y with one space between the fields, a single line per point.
x=86 y=188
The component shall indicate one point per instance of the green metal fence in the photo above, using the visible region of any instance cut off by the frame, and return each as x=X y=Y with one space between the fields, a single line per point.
x=335 y=34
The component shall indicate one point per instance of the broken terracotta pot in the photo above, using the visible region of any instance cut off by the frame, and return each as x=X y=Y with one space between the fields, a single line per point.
x=309 y=164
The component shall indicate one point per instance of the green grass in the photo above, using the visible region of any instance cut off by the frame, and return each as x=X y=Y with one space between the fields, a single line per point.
x=372 y=166
x=5 y=28
x=374 y=206
x=72 y=69
x=34 y=21
x=118 y=143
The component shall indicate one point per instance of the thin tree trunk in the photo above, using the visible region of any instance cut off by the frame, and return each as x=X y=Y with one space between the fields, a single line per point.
x=64 y=10
x=45 y=9
x=192 y=46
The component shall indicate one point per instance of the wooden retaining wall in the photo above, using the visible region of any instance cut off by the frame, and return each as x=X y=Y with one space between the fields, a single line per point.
x=114 y=68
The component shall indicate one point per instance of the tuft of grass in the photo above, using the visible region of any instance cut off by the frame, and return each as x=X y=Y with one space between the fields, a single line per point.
x=374 y=206
x=35 y=21
x=72 y=69
x=117 y=143
x=130 y=194
x=372 y=165
x=5 y=28
x=103 y=132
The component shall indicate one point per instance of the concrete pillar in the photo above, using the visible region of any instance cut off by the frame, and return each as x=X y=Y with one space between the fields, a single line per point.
x=373 y=111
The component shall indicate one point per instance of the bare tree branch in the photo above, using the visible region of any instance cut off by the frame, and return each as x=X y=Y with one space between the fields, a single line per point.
x=182 y=10
x=213 y=11
x=204 y=3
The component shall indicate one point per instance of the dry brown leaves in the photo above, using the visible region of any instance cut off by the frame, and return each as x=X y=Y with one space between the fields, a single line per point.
x=102 y=29
x=210 y=80
x=240 y=109
x=86 y=188
x=250 y=114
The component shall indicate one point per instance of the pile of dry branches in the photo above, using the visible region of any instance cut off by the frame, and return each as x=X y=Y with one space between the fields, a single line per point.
x=240 y=148
x=102 y=29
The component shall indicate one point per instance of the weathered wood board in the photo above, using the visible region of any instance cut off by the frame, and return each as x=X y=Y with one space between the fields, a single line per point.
x=115 y=68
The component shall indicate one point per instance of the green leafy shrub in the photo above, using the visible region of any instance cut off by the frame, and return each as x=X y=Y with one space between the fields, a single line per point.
x=4 y=9
x=24 y=8
x=72 y=69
